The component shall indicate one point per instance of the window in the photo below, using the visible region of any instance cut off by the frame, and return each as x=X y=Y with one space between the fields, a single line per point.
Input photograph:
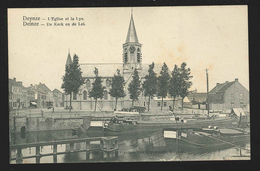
x=105 y=95
x=108 y=83
x=158 y=104
x=164 y=103
x=88 y=83
x=241 y=96
x=125 y=57
x=241 y=104
x=232 y=105
x=144 y=103
x=138 y=57
x=74 y=96
x=85 y=95
x=232 y=97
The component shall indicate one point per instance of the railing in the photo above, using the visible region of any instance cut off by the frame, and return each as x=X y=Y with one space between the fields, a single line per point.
x=107 y=146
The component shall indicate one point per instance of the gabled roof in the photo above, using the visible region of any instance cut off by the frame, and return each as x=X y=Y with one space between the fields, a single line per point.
x=225 y=87
x=43 y=87
x=131 y=35
x=221 y=88
x=56 y=91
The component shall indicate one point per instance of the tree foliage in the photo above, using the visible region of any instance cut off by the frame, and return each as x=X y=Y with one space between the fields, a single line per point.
x=163 y=83
x=150 y=84
x=117 y=86
x=72 y=80
x=185 y=82
x=174 y=87
x=97 y=90
x=134 y=87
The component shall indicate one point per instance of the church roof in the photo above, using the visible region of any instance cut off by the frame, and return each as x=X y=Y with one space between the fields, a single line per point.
x=69 y=61
x=104 y=69
x=131 y=35
x=157 y=69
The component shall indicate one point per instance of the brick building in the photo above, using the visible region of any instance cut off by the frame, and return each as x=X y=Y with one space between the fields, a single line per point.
x=229 y=95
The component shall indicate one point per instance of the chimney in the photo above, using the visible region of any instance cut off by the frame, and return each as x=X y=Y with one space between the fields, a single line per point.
x=14 y=79
x=31 y=85
x=217 y=84
x=236 y=79
x=226 y=82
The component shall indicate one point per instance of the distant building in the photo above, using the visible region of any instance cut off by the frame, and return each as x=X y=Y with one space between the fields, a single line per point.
x=42 y=94
x=16 y=98
x=229 y=95
x=58 y=98
x=198 y=100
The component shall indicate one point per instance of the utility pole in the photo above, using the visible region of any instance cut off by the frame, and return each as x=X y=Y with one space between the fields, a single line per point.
x=207 y=91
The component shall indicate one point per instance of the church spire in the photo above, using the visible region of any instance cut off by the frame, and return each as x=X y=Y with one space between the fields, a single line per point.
x=69 y=61
x=131 y=35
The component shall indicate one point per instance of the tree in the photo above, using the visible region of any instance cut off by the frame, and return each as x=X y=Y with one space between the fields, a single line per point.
x=185 y=82
x=134 y=87
x=97 y=90
x=72 y=79
x=150 y=84
x=117 y=89
x=163 y=83
x=174 y=88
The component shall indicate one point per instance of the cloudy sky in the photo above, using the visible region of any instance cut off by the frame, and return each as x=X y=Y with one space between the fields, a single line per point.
x=212 y=37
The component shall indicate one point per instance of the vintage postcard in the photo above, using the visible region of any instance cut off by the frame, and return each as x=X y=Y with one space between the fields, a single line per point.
x=128 y=84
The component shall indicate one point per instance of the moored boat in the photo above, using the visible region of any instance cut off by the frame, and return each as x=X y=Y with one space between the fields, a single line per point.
x=122 y=125
x=206 y=138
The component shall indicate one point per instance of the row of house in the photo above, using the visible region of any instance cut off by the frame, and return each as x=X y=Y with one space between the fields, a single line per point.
x=37 y=95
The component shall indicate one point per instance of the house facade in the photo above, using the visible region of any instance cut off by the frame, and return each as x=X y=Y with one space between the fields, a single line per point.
x=16 y=98
x=229 y=95
x=58 y=98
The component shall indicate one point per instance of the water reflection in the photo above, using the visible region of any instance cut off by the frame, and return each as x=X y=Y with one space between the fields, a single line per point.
x=133 y=147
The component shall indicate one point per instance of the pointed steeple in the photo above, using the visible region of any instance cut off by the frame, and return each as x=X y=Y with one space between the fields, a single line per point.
x=69 y=61
x=131 y=35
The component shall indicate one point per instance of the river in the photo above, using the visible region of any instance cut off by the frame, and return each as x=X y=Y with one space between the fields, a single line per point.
x=145 y=147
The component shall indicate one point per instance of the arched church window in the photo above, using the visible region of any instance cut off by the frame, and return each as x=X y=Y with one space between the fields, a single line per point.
x=125 y=57
x=88 y=83
x=74 y=96
x=105 y=95
x=108 y=83
x=138 y=57
x=85 y=96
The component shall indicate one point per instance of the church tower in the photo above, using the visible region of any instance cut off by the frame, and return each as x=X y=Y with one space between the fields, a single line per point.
x=132 y=50
x=69 y=61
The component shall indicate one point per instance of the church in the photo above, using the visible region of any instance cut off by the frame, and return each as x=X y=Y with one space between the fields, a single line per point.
x=132 y=59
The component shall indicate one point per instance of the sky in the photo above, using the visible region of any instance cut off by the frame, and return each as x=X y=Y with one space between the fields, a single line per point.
x=205 y=37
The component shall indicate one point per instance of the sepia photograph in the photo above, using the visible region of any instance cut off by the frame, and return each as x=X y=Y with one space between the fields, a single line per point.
x=128 y=84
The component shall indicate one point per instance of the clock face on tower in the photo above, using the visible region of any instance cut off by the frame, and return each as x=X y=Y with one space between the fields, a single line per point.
x=132 y=49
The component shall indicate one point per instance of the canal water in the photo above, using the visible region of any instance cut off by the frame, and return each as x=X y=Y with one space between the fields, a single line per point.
x=133 y=147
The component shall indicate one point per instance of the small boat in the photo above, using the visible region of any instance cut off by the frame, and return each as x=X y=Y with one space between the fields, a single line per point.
x=124 y=125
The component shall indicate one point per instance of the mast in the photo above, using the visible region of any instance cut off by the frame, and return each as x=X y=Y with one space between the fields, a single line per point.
x=207 y=91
